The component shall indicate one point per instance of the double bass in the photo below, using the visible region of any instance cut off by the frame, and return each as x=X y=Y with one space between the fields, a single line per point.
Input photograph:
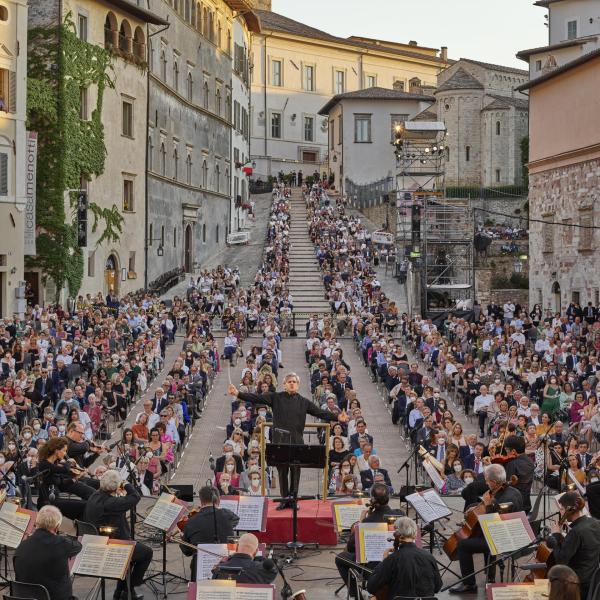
x=470 y=526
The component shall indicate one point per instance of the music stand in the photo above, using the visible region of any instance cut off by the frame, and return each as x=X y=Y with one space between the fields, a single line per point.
x=296 y=455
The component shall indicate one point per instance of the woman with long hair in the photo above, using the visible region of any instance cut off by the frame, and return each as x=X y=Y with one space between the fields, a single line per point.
x=564 y=583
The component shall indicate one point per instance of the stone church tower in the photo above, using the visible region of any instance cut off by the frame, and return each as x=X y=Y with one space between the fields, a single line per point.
x=262 y=4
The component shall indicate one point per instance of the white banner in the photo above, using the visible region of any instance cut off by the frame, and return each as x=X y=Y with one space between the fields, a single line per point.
x=30 y=175
x=239 y=237
x=382 y=237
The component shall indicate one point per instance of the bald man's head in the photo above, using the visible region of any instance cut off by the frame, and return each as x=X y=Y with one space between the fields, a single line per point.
x=248 y=544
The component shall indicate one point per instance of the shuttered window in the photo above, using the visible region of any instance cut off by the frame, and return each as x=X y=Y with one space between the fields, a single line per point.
x=3 y=174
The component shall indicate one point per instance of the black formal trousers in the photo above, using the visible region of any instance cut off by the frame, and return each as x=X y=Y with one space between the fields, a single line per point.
x=344 y=569
x=289 y=480
x=140 y=561
x=466 y=549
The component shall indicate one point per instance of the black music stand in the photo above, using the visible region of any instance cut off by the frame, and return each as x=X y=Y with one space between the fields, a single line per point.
x=296 y=455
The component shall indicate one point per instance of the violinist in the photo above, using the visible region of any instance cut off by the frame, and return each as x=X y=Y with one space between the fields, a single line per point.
x=517 y=463
x=499 y=492
x=108 y=507
x=57 y=476
x=580 y=548
x=377 y=512
x=405 y=569
x=43 y=558
x=208 y=525
x=81 y=450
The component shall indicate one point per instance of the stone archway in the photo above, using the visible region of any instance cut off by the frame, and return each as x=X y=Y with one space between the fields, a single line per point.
x=188 y=261
x=111 y=274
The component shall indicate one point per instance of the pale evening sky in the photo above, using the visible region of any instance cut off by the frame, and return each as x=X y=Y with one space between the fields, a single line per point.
x=487 y=30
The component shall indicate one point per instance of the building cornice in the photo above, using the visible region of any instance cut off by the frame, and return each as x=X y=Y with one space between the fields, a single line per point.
x=183 y=185
x=564 y=159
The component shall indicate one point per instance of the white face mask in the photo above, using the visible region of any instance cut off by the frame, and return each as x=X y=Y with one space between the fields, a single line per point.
x=228 y=454
x=262 y=413
x=237 y=422
x=468 y=480
x=27 y=435
x=350 y=485
x=113 y=465
x=436 y=395
x=441 y=442
x=243 y=414
x=346 y=470
x=457 y=468
x=497 y=380
x=224 y=483
x=37 y=427
x=255 y=481
x=229 y=468
x=61 y=428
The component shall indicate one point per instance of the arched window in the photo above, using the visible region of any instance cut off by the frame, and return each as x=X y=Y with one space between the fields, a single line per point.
x=110 y=31
x=218 y=102
x=3 y=13
x=199 y=17
x=150 y=153
x=217 y=234
x=204 y=233
x=139 y=44
x=193 y=15
x=218 y=178
x=219 y=35
x=228 y=107
x=175 y=76
x=188 y=16
x=205 y=22
x=175 y=164
x=497 y=127
x=467 y=153
x=188 y=169
x=125 y=37
x=227 y=183
x=447 y=153
x=206 y=94
x=190 y=87
x=204 y=175
x=163 y=160
x=163 y=65
x=162 y=235
x=229 y=41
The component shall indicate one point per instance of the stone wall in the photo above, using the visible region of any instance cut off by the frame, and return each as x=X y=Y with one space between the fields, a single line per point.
x=377 y=214
x=564 y=262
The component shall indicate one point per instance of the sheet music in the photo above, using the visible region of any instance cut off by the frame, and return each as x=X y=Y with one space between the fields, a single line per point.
x=511 y=592
x=346 y=514
x=373 y=541
x=579 y=487
x=215 y=590
x=164 y=513
x=251 y=511
x=505 y=535
x=434 y=474
x=229 y=504
x=99 y=558
x=205 y=562
x=429 y=505
x=11 y=537
x=257 y=593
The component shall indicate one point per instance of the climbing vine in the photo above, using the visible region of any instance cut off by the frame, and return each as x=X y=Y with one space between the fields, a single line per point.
x=70 y=149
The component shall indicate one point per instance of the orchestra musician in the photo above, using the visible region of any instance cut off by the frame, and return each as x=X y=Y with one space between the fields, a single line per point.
x=517 y=463
x=499 y=492
x=108 y=507
x=43 y=557
x=200 y=528
x=58 y=475
x=254 y=570
x=378 y=511
x=81 y=450
x=405 y=569
x=289 y=417
x=580 y=548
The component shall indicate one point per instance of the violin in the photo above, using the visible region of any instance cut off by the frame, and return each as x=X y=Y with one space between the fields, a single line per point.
x=470 y=526
x=183 y=521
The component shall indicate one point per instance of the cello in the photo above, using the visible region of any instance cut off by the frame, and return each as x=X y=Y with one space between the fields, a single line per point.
x=470 y=526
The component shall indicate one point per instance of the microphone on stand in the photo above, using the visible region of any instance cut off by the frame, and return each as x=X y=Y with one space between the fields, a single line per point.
x=211 y=463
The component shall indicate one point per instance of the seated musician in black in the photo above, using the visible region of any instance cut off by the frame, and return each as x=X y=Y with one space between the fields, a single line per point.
x=378 y=512
x=405 y=569
x=59 y=476
x=210 y=525
x=81 y=451
x=253 y=570
x=43 y=557
x=499 y=492
x=580 y=548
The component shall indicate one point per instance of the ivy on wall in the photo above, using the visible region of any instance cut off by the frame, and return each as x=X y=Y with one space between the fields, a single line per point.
x=70 y=149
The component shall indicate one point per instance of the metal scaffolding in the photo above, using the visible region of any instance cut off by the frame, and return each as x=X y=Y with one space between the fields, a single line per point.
x=434 y=235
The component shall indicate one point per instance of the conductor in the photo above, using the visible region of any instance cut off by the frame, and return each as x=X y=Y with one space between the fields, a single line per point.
x=289 y=417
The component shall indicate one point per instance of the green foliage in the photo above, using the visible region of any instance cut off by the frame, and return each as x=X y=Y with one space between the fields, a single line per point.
x=70 y=149
x=517 y=281
x=525 y=159
x=473 y=191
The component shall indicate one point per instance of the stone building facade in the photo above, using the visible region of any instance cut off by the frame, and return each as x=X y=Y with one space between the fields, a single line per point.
x=13 y=93
x=297 y=69
x=485 y=120
x=564 y=185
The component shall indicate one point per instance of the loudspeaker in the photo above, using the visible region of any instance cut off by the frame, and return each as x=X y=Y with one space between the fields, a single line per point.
x=184 y=492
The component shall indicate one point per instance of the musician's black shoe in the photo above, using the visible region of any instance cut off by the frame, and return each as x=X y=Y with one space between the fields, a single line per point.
x=283 y=505
x=461 y=588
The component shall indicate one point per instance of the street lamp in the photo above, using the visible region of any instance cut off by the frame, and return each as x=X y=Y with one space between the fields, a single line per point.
x=160 y=251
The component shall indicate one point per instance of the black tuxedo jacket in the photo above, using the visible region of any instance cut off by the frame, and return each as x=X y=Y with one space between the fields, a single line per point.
x=366 y=478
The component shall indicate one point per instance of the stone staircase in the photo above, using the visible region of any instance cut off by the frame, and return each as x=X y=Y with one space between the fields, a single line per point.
x=306 y=285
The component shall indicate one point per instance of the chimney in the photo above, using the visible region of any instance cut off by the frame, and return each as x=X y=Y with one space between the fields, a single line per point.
x=412 y=43
x=444 y=53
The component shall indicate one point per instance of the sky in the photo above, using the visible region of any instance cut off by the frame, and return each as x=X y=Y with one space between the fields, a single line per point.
x=487 y=30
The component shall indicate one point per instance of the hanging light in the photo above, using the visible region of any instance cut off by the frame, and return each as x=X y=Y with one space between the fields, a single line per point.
x=427 y=150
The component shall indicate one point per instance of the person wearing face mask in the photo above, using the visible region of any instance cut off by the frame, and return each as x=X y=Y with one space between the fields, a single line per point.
x=225 y=485
x=453 y=481
x=254 y=488
x=228 y=453
x=39 y=433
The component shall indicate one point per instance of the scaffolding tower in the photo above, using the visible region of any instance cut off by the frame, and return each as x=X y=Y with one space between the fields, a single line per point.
x=434 y=235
